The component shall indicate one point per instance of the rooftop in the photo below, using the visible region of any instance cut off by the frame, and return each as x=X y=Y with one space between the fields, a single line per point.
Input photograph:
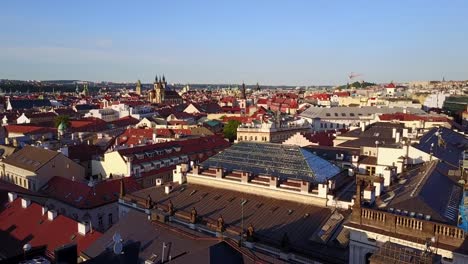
x=271 y=218
x=283 y=161
x=355 y=112
x=20 y=225
x=30 y=158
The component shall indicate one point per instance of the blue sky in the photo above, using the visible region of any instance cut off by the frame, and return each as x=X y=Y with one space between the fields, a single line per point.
x=270 y=42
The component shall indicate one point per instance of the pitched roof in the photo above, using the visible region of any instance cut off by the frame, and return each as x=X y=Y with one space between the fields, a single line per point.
x=28 y=130
x=187 y=147
x=28 y=225
x=30 y=158
x=28 y=104
x=448 y=149
x=81 y=195
x=282 y=161
x=417 y=193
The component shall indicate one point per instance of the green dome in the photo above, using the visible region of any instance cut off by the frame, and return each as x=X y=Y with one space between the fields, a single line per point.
x=62 y=126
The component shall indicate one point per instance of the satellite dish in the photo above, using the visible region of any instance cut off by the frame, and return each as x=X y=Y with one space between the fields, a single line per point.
x=116 y=238
x=118 y=248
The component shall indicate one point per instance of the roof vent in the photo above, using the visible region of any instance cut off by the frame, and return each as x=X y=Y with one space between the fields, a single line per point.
x=44 y=210
x=51 y=215
x=25 y=203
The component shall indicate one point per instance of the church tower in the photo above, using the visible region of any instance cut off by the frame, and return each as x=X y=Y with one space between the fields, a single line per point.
x=159 y=90
x=138 y=87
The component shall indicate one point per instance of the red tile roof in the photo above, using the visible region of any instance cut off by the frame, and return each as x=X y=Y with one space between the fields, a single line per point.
x=102 y=193
x=390 y=85
x=88 y=125
x=26 y=129
x=30 y=223
x=124 y=121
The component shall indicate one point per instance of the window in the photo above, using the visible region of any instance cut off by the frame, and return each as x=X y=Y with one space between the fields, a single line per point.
x=331 y=125
x=100 y=221
x=110 y=219
x=321 y=125
x=255 y=138
x=336 y=114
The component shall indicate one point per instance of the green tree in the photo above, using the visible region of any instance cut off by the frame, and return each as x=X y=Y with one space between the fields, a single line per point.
x=62 y=118
x=230 y=130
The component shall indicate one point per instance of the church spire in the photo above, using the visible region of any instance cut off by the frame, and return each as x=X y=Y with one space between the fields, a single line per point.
x=156 y=78
x=163 y=79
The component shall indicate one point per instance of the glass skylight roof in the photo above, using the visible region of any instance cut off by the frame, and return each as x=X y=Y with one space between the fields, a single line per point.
x=283 y=161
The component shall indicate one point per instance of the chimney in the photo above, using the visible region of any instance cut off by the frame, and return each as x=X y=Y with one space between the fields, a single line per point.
x=44 y=210
x=363 y=126
x=305 y=186
x=83 y=228
x=12 y=196
x=51 y=215
x=196 y=169
x=158 y=182
x=397 y=137
x=245 y=177
x=25 y=202
x=393 y=132
x=273 y=182
x=167 y=189
x=219 y=173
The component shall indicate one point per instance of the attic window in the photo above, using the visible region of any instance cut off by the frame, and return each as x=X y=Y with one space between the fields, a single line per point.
x=290 y=211
x=193 y=192
x=343 y=114
x=244 y=202
x=328 y=114
x=336 y=114
x=427 y=217
x=351 y=114
x=273 y=209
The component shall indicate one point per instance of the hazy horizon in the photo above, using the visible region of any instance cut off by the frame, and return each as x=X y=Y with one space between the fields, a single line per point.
x=210 y=42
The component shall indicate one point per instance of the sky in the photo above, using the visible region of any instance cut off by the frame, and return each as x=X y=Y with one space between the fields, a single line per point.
x=289 y=42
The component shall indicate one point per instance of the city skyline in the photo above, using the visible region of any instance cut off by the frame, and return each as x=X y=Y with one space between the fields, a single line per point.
x=271 y=43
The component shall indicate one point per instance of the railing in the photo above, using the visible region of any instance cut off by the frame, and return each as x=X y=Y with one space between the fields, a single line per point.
x=409 y=226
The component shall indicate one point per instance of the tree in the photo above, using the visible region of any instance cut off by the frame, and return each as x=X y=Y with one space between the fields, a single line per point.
x=230 y=130
x=62 y=118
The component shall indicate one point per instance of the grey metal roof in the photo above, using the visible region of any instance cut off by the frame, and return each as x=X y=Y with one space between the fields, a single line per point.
x=418 y=194
x=283 y=161
x=343 y=112
x=455 y=144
